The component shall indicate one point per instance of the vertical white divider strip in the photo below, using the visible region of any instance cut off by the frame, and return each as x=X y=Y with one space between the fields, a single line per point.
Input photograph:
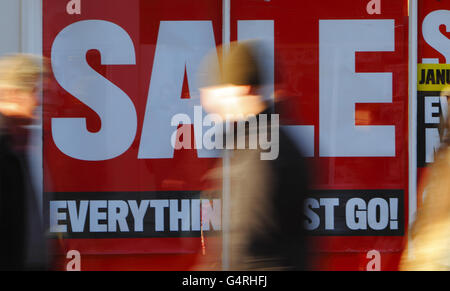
x=226 y=38
x=413 y=34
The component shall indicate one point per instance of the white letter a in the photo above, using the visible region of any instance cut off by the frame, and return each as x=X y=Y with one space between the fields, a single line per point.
x=74 y=7
x=75 y=263
x=374 y=7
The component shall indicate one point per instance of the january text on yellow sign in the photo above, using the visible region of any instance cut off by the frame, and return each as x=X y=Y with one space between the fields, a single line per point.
x=432 y=77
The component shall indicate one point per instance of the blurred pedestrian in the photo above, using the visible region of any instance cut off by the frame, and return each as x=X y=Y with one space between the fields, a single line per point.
x=267 y=184
x=20 y=222
x=429 y=248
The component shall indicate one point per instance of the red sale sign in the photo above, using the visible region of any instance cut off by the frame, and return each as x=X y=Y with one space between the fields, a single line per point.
x=432 y=78
x=119 y=193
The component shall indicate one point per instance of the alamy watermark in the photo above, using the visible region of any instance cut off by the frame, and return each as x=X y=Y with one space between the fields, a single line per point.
x=252 y=132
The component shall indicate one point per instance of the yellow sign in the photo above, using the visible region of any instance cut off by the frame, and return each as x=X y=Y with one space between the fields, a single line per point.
x=432 y=77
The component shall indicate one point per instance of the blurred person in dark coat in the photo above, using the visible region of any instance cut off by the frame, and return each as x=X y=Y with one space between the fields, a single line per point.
x=267 y=187
x=20 y=227
x=429 y=248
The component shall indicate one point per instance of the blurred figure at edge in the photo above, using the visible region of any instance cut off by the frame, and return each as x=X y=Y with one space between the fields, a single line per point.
x=22 y=243
x=430 y=234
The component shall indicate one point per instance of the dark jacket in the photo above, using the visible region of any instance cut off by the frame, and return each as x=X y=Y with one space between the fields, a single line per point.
x=12 y=200
x=266 y=208
x=22 y=246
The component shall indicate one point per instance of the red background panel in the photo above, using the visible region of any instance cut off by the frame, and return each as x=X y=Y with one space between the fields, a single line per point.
x=296 y=75
x=140 y=19
x=425 y=7
x=125 y=173
x=297 y=56
x=424 y=50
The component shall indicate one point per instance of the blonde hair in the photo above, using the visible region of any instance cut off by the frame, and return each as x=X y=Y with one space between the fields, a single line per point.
x=20 y=72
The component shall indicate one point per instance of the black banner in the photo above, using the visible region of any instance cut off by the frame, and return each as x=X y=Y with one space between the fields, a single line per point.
x=131 y=214
x=355 y=213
